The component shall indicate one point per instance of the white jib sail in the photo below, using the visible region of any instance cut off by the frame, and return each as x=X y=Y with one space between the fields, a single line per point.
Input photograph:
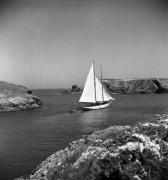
x=93 y=85
x=88 y=94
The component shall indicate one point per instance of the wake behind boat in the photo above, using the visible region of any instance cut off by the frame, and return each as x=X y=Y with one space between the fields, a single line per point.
x=94 y=95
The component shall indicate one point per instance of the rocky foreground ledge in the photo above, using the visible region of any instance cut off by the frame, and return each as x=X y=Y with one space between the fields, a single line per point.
x=17 y=98
x=118 y=152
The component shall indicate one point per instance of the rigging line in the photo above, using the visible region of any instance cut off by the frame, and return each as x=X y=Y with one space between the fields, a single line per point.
x=102 y=83
x=94 y=81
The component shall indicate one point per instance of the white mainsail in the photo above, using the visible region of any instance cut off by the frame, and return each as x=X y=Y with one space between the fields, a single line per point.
x=101 y=92
x=93 y=90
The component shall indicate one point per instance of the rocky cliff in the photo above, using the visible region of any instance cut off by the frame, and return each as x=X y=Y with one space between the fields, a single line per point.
x=138 y=86
x=16 y=98
x=118 y=152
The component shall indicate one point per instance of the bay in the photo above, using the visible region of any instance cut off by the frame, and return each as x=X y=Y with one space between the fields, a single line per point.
x=27 y=138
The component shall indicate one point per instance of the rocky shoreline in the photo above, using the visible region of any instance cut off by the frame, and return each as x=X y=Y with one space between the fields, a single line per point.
x=118 y=152
x=137 y=86
x=130 y=86
x=17 y=98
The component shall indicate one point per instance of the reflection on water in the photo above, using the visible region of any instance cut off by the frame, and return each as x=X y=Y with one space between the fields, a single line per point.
x=92 y=120
x=94 y=117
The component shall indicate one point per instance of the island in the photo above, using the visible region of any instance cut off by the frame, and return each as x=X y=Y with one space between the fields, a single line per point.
x=17 y=98
x=118 y=152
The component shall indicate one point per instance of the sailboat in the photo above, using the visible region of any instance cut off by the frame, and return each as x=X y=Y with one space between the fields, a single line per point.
x=94 y=95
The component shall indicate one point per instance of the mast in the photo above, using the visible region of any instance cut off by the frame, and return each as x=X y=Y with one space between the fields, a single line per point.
x=102 y=83
x=94 y=81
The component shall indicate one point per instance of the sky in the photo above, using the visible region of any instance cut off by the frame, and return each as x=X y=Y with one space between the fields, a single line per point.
x=51 y=43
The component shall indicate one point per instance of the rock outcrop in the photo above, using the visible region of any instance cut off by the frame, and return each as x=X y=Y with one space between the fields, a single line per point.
x=137 y=86
x=75 y=88
x=17 y=98
x=118 y=152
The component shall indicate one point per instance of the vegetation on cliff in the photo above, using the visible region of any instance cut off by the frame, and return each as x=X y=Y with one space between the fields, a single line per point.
x=118 y=152
x=16 y=98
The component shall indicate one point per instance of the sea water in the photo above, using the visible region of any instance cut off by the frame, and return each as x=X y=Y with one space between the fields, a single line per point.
x=27 y=138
